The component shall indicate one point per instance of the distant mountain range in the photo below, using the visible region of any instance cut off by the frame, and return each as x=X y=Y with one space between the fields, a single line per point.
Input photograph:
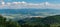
x=24 y=13
x=28 y=11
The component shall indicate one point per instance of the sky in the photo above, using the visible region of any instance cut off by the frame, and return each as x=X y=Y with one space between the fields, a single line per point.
x=31 y=1
x=18 y=4
x=34 y=1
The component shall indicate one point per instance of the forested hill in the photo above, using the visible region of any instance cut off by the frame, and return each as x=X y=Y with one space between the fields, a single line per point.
x=32 y=22
x=47 y=21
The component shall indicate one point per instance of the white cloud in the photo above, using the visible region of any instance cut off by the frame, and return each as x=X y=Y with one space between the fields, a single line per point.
x=3 y=3
x=19 y=5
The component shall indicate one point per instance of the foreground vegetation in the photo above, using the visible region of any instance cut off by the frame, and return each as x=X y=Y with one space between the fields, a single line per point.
x=50 y=21
x=4 y=23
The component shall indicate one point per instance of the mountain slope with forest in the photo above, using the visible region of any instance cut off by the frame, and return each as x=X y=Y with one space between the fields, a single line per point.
x=47 y=21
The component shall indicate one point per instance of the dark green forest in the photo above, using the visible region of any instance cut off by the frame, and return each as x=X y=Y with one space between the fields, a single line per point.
x=50 y=21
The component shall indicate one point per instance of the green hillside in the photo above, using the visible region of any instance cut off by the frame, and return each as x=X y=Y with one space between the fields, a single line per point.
x=42 y=22
x=4 y=23
x=50 y=21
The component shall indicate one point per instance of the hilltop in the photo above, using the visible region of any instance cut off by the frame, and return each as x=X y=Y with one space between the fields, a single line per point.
x=47 y=21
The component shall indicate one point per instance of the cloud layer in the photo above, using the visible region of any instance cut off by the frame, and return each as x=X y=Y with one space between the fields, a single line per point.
x=20 y=5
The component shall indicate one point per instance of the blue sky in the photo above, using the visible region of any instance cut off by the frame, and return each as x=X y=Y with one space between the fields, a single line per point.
x=34 y=1
x=54 y=1
x=30 y=1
